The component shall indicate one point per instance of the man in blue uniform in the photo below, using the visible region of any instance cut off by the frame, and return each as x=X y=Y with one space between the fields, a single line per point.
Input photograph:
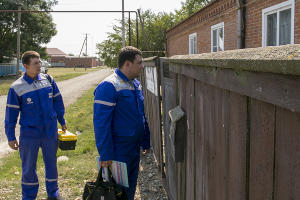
x=37 y=97
x=120 y=125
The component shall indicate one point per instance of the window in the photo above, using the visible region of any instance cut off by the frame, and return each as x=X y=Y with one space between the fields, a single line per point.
x=217 y=37
x=193 y=43
x=278 y=24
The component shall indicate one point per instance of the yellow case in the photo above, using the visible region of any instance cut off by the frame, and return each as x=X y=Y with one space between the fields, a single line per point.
x=67 y=136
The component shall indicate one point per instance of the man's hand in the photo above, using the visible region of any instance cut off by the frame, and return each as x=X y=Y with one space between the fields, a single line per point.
x=14 y=145
x=106 y=163
x=146 y=151
x=64 y=128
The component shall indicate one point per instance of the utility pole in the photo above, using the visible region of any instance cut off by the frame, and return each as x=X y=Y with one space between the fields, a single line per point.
x=129 y=29
x=123 y=24
x=18 y=36
x=86 y=44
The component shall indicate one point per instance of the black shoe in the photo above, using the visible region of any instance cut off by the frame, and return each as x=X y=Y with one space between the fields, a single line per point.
x=55 y=198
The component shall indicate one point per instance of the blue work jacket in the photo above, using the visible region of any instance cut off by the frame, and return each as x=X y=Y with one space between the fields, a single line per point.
x=120 y=124
x=40 y=104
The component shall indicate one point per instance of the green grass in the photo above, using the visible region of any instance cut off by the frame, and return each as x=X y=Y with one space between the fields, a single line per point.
x=5 y=83
x=58 y=73
x=73 y=173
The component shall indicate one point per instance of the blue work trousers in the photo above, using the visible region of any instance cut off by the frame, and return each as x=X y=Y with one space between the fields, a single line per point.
x=132 y=163
x=29 y=148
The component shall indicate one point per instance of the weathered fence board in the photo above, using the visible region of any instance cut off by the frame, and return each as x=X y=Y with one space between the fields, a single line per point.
x=168 y=91
x=187 y=89
x=287 y=155
x=237 y=147
x=199 y=140
x=261 y=150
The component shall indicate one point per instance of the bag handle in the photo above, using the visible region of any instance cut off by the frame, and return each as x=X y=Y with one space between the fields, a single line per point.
x=100 y=178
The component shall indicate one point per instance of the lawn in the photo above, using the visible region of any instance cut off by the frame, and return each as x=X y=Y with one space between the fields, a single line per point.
x=58 y=73
x=5 y=83
x=73 y=173
x=61 y=74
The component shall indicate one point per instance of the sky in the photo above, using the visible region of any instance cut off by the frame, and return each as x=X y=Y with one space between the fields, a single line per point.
x=73 y=27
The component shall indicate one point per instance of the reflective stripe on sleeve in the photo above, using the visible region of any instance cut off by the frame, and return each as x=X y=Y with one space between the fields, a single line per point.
x=105 y=103
x=56 y=95
x=12 y=106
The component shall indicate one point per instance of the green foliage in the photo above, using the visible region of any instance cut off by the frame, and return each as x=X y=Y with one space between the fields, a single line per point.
x=188 y=8
x=36 y=28
x=109 y=49
x=152 y=37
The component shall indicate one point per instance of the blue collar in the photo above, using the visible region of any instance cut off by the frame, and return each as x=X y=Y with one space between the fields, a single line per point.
x=30 y=80
x=119 y=73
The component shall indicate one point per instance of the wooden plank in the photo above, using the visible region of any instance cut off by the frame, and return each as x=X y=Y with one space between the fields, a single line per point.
x=181 y=167
x=209 y=171
x=222 y=146
x=261 y=150
x=199 y=140
x=281 y=90
x=159 y=117
x=169 y=102
x=237 y=147
x=287 y=155
x=190 y=137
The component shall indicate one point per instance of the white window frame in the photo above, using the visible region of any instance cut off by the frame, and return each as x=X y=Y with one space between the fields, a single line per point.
x=214 y=27
x=193 y=50
x=290 y=4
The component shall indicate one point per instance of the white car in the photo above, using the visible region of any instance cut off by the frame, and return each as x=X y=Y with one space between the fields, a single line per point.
x=45 y=66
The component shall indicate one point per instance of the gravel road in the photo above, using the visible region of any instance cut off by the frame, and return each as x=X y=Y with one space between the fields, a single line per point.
x=70 y=89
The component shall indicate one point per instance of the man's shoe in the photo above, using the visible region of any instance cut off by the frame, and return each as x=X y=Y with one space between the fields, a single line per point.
x=55 y=198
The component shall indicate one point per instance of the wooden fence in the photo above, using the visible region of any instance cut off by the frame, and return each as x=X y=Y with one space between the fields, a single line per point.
x=242 y=119
x=151 y=86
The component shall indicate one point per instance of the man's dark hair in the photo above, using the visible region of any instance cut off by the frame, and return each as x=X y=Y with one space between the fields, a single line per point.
x=128 y=53
x=28 y=55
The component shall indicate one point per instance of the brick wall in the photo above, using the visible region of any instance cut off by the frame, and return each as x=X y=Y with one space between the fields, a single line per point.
x=80 y=62
x=201 y=22
x=57 y=59
x=224 y=11
x=76 y=61
x=254 y=21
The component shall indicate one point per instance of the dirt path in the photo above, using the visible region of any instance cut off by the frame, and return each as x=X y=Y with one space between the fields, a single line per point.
x=70 y=89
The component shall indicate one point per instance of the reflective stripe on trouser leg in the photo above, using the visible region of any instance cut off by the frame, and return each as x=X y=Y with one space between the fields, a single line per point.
x=49 y=149
x=29 y=149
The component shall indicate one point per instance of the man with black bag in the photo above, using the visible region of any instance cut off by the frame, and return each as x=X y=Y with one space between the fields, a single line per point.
x=120 y=125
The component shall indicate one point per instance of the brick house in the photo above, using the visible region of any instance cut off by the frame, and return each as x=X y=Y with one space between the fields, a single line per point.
x=58 y=58
x=233 y=24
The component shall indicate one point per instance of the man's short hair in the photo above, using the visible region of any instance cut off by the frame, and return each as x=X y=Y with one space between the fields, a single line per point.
x=28 y=55
x=128 y=53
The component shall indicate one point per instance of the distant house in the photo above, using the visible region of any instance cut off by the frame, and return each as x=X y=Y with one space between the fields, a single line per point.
x=234 y=24
x=59 y=59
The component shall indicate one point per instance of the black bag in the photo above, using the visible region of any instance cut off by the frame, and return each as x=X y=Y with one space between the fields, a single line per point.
x=101 y=190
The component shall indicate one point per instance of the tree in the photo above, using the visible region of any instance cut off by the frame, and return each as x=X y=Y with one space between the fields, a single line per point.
x=152 y=35
x=36 y=28
x=108 y=50
x=155 y=26
x=188 y=8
